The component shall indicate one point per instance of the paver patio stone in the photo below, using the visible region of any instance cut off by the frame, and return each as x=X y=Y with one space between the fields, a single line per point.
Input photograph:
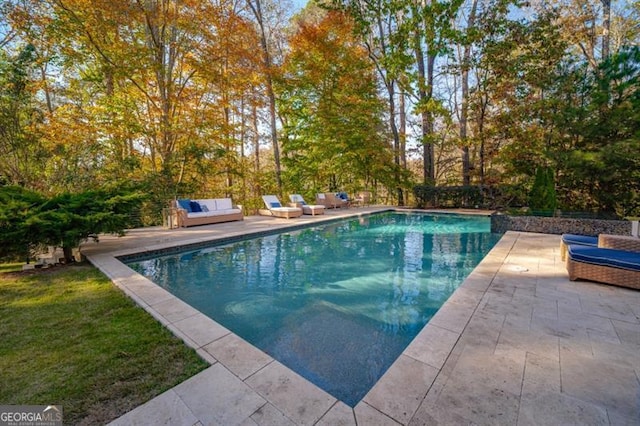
x=478 y=281
x=610 y=309
x=432 y=345
x=475 y=402
x=466 y=296
x=534 y=342
x=367 y=415
x=628 y=333
x=217 y=397
x=240 y=357
x=454 y=318
x=166 y=409
x=437 y=414
x=401 y=389
x=554 y=408
x=541 y=374
x=481 y=366
x=149 y=292
x=201 y=329
x=622 y=355
x=174 y=309
x=298 y=399
x=268 y=415
x=483 y=330
x=339 y=415
x=607 y=385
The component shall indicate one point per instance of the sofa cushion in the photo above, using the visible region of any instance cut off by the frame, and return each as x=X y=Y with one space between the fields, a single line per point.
x=223 y=204
x=224 y=212
x=199 y=214
x=195 y=207
x=605 y=257
x=185 y=203
x=210 y=203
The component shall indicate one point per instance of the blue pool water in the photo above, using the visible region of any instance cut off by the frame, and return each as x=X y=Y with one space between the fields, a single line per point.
x=336 y=303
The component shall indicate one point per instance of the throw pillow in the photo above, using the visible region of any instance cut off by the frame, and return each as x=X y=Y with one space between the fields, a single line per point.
x=204 y=208
x=276 y=205
x=195 y=207
x=185 y=204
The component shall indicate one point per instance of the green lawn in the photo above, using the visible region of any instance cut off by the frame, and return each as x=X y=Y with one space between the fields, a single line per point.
x=68 y=336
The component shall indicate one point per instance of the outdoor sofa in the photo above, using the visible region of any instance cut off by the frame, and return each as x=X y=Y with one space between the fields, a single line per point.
x=207 y=211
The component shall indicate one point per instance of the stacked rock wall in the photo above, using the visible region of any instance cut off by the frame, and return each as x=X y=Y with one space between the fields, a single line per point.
x=501 y=223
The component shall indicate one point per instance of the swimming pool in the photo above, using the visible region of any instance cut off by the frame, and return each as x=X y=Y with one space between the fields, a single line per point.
x=337 y=303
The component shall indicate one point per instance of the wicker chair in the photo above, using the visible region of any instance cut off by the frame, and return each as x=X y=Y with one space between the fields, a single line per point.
x=605 y=265
x=312 y=209
x=583 y=240
x=275 y=208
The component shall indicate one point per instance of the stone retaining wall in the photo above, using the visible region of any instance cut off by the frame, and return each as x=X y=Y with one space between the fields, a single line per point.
x=500 y=223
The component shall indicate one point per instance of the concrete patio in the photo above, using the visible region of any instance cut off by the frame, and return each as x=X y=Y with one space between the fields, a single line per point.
x=516 y=344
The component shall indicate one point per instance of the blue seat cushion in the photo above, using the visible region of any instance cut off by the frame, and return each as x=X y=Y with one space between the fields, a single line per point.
x=605 y=257
x=185 y=204
x=584 y=240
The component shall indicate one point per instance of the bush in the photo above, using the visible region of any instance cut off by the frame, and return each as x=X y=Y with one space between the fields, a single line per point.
x=542 y=198
x=28 y=219
x=448 y=196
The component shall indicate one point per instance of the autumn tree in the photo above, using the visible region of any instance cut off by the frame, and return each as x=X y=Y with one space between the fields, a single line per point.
x=21 y=154
x=148 y=90
x=334 y=134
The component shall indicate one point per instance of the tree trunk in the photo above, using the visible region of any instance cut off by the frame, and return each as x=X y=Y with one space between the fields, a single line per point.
x=427 y=158
x=257 y=11
x=466 y=166
x=68 y=254
x=606 y=27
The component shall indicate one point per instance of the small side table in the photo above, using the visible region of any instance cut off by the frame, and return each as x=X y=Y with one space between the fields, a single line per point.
x=170 y=218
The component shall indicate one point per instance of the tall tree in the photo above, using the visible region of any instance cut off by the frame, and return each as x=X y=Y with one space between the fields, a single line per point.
x=335 y=138
x=268 y=70
x=377 y=22
x=465 y=68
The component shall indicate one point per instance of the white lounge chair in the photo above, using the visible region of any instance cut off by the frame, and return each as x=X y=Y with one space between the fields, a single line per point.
x=312 y=209
x=275 y=208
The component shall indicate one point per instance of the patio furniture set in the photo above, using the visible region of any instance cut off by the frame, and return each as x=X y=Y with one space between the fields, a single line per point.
x=188 y=212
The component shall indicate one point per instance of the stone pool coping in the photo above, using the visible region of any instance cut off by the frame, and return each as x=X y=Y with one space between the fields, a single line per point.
x=244 y=385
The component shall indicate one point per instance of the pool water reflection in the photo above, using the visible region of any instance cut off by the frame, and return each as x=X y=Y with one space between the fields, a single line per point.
x=337 y=303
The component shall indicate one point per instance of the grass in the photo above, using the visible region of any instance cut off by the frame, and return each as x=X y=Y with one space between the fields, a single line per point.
x=69 y=337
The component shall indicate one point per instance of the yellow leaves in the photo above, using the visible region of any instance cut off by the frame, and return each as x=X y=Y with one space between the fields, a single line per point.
x=69 y=125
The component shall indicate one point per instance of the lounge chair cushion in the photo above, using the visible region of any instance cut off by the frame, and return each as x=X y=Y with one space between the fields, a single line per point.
x=584 y=240
x=605 y=257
